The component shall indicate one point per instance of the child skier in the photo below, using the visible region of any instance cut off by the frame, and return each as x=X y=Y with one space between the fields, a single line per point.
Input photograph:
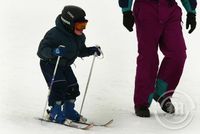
x=68 y=32
x=158 y=24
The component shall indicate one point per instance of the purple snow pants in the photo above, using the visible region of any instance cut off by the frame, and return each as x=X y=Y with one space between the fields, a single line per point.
x=158 y=25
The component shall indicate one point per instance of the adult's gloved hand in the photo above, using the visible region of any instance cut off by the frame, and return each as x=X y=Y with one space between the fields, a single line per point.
x=128 y=20
x=60 y=51
x=93 y=50
x=191 y=22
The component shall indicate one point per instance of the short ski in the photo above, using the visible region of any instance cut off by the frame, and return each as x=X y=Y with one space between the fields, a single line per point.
x=72 y=124
x=95 y=124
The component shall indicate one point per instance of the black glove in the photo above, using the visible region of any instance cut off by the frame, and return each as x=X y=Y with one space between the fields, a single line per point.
x=191 y=22
x=93 y=50
x=128 y=20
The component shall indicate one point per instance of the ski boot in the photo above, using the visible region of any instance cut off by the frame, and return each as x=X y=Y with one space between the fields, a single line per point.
x=70 y=113
x=165 y=104
x=56 y=113
x=142 y=111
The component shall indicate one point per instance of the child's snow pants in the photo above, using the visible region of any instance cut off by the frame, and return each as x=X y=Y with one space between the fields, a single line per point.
x=65 y=86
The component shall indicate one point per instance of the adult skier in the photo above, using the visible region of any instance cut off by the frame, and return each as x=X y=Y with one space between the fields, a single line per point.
x=68 y=32
x=158 y=25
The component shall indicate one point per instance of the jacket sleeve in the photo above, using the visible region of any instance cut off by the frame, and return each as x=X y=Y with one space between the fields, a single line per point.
x=125 y=5
x=189 y=5
x=46 y=47
x=83 y=50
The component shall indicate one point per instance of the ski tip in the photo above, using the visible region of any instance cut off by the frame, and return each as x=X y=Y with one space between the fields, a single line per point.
x=109 y=122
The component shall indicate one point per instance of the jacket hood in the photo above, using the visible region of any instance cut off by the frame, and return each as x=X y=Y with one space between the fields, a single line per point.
x=62 y=27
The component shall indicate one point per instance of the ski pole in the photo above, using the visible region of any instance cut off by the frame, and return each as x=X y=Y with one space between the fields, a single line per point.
x=52 y=81
x=94 y=56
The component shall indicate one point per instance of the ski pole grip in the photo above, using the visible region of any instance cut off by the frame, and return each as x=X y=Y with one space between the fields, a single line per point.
x=95 y=54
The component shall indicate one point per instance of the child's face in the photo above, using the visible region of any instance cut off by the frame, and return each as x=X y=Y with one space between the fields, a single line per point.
x=79 y=27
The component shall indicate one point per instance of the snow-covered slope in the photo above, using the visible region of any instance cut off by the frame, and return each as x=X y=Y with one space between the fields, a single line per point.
x=23 y=90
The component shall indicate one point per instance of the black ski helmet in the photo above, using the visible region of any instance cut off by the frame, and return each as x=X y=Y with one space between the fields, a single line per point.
x=72 y=14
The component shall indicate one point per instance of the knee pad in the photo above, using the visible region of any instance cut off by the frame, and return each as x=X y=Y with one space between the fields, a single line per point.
x=72 y=91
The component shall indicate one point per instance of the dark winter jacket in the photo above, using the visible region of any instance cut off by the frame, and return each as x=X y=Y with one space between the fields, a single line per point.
x=189 y=5
x=59 y=35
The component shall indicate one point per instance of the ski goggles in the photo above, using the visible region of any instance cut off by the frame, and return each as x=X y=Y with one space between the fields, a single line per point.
x=80 y=25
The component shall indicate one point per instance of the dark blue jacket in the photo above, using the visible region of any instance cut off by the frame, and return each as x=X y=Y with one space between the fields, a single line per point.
x=189 y=5
x=59 y=35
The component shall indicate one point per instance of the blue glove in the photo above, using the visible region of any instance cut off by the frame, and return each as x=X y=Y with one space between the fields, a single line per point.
x=60 y=51
x=93 y=50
